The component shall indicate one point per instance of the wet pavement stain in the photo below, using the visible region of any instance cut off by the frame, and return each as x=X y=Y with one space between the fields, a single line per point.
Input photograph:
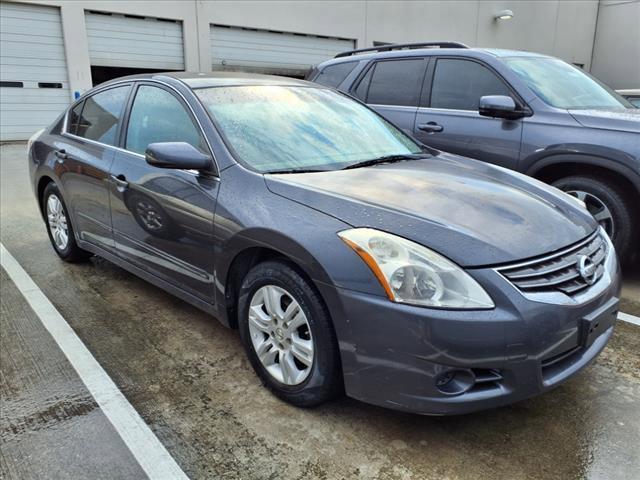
x=189 y=379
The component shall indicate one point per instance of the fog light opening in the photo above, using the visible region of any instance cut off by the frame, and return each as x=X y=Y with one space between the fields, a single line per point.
x=455 y=382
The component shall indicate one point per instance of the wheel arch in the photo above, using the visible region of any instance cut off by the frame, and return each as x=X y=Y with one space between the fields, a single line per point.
x=245 y=251
x=553 y=168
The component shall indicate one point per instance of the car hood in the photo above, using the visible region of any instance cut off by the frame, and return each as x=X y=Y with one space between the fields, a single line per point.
x=625 y=120
x=471 y=212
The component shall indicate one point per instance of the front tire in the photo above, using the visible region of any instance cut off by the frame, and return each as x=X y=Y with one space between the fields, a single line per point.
x=609 y=204
x=59 y=226
x=288 y=336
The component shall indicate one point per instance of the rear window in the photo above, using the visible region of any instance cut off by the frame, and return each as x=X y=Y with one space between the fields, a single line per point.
x=334 y=75
x=101 y=115
x=393 y=82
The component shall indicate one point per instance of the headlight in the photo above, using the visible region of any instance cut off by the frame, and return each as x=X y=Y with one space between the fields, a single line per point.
x=411 y=273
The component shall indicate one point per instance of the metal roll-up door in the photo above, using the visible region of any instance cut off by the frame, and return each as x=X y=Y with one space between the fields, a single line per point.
x=266 y=51
x=134 y=42
x=33 y=69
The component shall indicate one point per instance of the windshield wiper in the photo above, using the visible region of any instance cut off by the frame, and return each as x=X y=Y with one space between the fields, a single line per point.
x=295 y=170
x=386 y=159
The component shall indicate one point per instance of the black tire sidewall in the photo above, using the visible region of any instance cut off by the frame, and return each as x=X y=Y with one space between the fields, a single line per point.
x=72 y=252
x=614 y=198
x=324 y=380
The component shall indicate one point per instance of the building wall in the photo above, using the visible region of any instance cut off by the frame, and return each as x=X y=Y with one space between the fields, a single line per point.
x=555 y=27
x=616 y=52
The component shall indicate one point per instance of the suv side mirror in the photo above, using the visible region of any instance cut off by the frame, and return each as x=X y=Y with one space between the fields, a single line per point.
x=499 y=106
x=178 y=155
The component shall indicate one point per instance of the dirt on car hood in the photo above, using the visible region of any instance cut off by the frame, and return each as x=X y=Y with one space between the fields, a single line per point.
x=474 y=213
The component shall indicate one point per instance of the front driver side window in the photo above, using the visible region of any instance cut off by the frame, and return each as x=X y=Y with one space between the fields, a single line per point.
x=458 y=84
x=158 y=116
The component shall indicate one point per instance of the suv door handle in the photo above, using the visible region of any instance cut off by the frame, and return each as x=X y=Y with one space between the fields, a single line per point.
x=430 y=127
x=120 y=181
x=61 y=154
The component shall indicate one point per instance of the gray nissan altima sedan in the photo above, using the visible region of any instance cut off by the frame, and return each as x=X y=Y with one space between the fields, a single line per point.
x=350 y=257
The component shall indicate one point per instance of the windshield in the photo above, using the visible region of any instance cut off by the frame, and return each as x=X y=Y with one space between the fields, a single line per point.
x=276 y=128
x=564 y=86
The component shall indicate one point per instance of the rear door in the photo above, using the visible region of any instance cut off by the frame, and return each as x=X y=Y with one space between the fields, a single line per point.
x=163 y=218
x=392 y=88
x=84 y=155
x=448 y=117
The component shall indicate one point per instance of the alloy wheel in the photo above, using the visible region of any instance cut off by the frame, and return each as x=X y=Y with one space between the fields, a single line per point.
x=597 y=208
x=281 y=335
x=58 y=225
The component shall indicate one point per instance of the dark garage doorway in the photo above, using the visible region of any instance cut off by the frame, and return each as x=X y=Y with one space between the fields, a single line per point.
x=102 y=74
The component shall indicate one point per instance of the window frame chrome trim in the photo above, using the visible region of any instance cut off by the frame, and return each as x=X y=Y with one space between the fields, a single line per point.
x=133 y=84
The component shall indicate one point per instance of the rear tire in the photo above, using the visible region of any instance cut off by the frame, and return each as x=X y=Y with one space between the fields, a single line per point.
x=277 y=338
x=611 y=206
x=59 y=228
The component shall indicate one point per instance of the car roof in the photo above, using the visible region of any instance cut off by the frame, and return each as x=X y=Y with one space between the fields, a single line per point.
x=218 y=79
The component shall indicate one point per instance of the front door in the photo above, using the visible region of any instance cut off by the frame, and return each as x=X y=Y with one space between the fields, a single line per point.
x=448 y=118
x=84 y=156
x=163 y=218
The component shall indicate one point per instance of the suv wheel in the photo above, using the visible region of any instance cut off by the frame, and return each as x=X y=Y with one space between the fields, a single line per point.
x=59 y=226
x=288 y=336
x=608 y=204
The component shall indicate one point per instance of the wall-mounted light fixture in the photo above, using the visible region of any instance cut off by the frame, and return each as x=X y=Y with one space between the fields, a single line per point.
x=504 y=15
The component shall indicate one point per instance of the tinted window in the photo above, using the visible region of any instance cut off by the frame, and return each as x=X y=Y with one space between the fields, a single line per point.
x=273 y=128
x=363 y=86
x=333 y=75
x=396 y=82
x=101 y=114
x=158 y=116
x=459 y=84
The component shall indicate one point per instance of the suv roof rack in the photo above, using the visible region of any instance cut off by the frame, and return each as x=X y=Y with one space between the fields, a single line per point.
x=402 y=46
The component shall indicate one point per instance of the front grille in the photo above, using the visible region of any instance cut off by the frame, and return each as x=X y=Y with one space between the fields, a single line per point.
x=560 y=271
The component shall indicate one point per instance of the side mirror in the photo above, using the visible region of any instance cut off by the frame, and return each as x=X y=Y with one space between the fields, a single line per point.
x=178 y=155
x=499 y=106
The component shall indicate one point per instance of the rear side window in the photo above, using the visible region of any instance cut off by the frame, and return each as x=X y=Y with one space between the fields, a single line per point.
x=334 y=75
x=395 y=82
x=158 y=116
x=459 y=84
x=101 y=115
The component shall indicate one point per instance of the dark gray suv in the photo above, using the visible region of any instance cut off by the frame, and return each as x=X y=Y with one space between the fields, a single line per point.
x=525 y=111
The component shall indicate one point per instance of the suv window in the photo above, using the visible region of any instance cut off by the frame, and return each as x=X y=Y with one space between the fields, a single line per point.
x=459 y=84
x=158 y=116
x=333 y=75
x=393 y=82
x=100 y=115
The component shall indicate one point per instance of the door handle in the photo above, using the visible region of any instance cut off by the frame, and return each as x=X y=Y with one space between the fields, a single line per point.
x=430 y=127
x=61 y=154
x=120 y=181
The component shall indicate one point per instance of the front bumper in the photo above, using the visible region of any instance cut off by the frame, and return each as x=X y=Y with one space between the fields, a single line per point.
x=403 y=357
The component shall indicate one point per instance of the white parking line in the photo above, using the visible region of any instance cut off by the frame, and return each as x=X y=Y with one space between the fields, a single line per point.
x=625 y=317
x=136 y=434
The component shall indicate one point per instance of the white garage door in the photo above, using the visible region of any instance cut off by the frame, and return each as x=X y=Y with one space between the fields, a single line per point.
x=133 y=42
x=234 y=48
x=33 y=69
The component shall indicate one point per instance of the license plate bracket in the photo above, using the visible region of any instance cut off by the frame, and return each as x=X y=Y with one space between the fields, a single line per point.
x=597 y=322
